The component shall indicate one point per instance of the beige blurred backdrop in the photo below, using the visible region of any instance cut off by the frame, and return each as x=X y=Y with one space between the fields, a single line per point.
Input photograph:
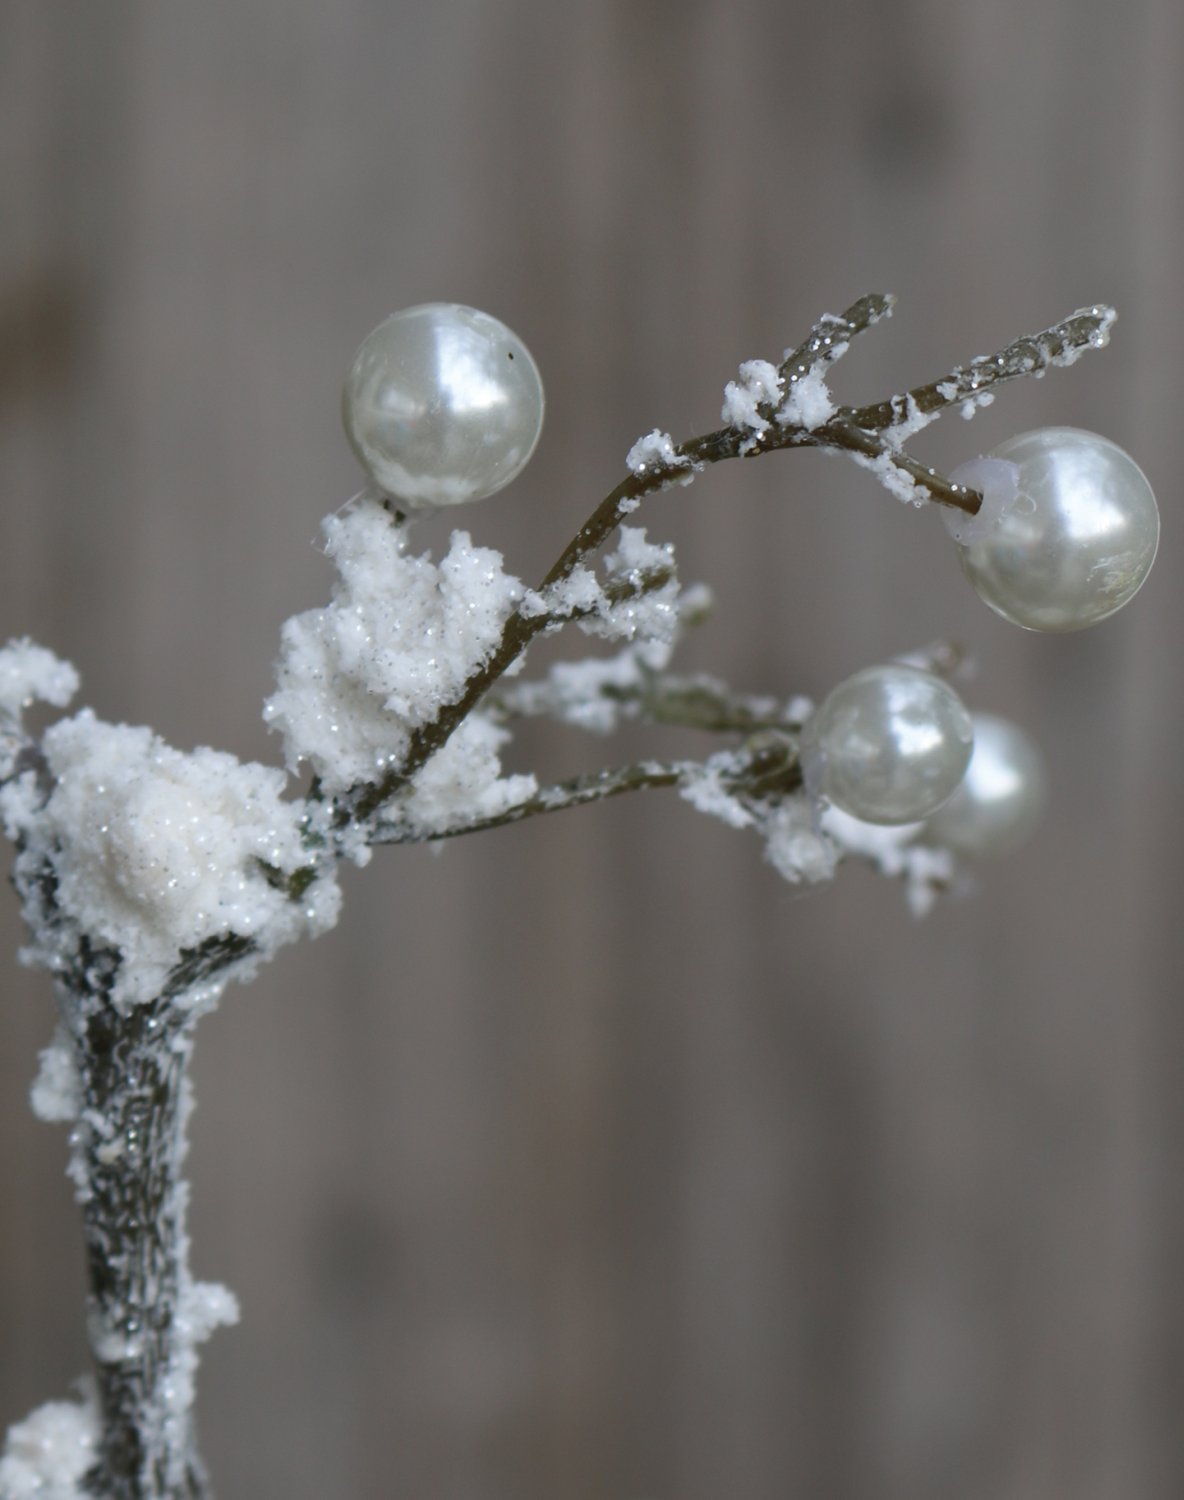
x=589 y=1160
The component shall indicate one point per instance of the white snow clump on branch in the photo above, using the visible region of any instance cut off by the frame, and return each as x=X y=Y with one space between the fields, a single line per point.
x=759 y=385
x=896 y=481
x=653 y=613
x=398 y=642
x=656 y=451
x=924 y=868
x=795 y=845
x=154 y=851
x=594 y=695
x=47 y=1455
x=30 y=674
x=463 y=781
x=808 y=403
x=643 y=572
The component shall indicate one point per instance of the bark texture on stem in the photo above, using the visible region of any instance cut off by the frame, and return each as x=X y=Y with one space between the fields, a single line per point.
x=130 y=1144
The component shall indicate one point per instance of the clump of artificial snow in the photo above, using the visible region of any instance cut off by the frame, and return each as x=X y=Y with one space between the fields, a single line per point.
x=56 y=1094
x=653 y=615
x=154 y=851
x=656 y=451
x=973 y=404
x=907 y=421
x=579 y=593
x=46 y=1456
x=808 y=403
x=759 y=385
x=638 y=600
x=896 y=481
x=30 y=674
x=594 y=695
x=891 y=848
x=462 y=782
x=398 y=642
x=709 y=789
x=201 y=1307
x=795 y=845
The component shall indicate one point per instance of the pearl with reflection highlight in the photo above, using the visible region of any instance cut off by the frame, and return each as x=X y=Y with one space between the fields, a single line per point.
x=1000 y=799
x=1067 y=531
x=443 y=404
x=888 y=745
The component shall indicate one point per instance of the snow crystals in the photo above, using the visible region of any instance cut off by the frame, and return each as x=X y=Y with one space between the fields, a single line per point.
x=795 y=845
x=656 y=450
x=153 y=852
x=759 y=385
x=639 y=600
x=398 y=642
x=463 y=781
x=46 y=1455
x=30 y=674
x=808 y=403
x=56 y=1094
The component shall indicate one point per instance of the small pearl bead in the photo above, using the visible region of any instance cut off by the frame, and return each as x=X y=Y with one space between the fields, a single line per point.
x=443 y=404
x=1001 y=797
x=1067 y=531
x=888 y=745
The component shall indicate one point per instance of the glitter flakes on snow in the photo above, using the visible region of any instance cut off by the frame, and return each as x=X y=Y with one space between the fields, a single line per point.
x=30 y=674
x=759 y=385
x=154 y=851
x=398 y=642
x=656 y=450
x=46 y=1455
x=808 y=403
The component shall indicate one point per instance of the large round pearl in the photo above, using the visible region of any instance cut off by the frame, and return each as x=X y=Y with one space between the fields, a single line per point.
x=888 y=745
x=1066 y=533
x=1001 y=797
x=443 y=404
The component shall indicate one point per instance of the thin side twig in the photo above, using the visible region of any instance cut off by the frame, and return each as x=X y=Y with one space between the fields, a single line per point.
x=765 y=770
x=1031 y=355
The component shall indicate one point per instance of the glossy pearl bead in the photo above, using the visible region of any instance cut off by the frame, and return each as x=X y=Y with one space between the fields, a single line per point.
x=888 y=745
x=1000 y=799
x=1067 y=531
x=443 y=404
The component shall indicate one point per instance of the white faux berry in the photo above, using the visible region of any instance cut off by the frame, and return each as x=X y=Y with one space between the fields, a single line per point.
x=1067 y=531
x=443 y=404
x=888 y=745
x=1000 y=799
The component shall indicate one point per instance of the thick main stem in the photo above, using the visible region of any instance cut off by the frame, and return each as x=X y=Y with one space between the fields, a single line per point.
x=130 y=1146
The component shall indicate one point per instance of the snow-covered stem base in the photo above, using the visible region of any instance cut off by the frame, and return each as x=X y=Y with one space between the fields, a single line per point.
x=129 y=1144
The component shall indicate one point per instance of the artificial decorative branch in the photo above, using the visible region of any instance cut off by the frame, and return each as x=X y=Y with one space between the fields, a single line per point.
x=150 y=878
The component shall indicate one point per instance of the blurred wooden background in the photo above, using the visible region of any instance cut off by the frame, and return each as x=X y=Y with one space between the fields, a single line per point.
x=589 y=1161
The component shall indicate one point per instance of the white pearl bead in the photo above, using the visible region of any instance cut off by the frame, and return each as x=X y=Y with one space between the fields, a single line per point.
x=1001 y=797
x=1067 y=531
x=888 y=745
x=443 y=404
